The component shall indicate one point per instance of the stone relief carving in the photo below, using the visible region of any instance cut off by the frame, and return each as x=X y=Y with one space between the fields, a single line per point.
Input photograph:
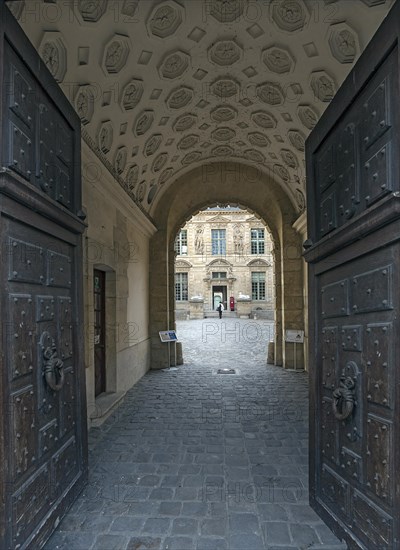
x=152 y=144
x=165 y=19
x=184 y=122
x=223 y=134
x=152 y=193
x=180 y=97
x=129 y=7
x=222 y=151
x=198 y=241
x=159 y=162
x=254 y=155
x=165 y=175
x=84 y=103
x=225 y=53
x=264 y=119
x=116 y=53
x=143 y=122
x=282 y=172
x=343 y=42
x=308 y=116
x=300 y=199
x=141 y=191
x=289 y=15
x=323 y=85
x=174 y=64
x=53 y=52
x=105 y=136
x=223 y=113
x=259 y=139
x=278 y=60
x=192 y=157
x=92 y=11
x=132 y=176
x=297 y=139
x=120 y=159
x=226 y=11
x=224 y=87
x=289 y=158
x=271 y=93
x=131 y=94
x=187 y=142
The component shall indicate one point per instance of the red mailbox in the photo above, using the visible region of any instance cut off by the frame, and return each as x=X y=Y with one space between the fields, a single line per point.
x=232 y=303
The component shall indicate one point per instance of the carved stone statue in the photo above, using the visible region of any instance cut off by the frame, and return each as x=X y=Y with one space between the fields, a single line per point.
x=198 y=242
x=238 y=241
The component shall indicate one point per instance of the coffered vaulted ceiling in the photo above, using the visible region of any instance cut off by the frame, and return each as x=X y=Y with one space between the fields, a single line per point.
x=164 y=86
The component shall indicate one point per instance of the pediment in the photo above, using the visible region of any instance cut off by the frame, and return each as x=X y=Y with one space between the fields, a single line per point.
x=219 y=219
x=259 y=263
x=183 y=264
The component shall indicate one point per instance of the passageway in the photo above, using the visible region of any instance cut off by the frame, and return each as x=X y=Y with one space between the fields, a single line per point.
x=198 y=460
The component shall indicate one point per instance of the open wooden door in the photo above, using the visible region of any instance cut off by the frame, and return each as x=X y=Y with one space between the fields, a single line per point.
x=354 y=281
x=43 y=440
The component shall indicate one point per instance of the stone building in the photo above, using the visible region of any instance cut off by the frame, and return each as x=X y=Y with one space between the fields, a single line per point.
x=224 y=254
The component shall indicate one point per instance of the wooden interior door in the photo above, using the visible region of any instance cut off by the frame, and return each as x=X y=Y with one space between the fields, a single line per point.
x=99 y=290
x=43 y=440
x=353 y=183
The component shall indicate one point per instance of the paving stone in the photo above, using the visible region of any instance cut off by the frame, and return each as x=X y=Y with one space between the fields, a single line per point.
x=110 y=542
x=197 y=461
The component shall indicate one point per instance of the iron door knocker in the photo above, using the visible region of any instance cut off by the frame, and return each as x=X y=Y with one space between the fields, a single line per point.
x=344 y=398
x=53 y=370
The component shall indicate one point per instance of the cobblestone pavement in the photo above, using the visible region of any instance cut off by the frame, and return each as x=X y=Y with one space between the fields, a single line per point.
x=204 y=461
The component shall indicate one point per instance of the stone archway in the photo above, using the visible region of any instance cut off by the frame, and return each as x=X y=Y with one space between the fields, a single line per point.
x=233 y=183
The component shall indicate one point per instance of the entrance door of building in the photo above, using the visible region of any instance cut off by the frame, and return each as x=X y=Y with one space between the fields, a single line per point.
x=43 y=441
x=219 y=295
x=354 y=281
x=99 y=331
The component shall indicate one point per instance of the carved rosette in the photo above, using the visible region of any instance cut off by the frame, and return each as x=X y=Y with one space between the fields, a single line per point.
x=222 y=151
x=258 y=139
x=159 y=162
x=226 y=11
x=174 y=64
x=194 y=156
x=152 y=144
x=289 y=158
x=264 y=119
x=121 y=155
x=223 y=113
x=180 y=97
x=53 y=52
x=343 y=42
x=131 y=94
x=165 y=19
x=271 y=93
x=307 y=115
x=141 y=190
x=184 y=122
x=132 y=176
x=278 y=60
x=289 y=15
x=143 y=122
x=223 y=134
x=92 y=10
x=297 y=139
x=254 y=155
x=105 y=136
x=165 y=175
x=224 y=87
x=115 y=54
x=300 y=199
x=323 y=85
x=84 y=103
x=187 y=142
x=225 y=53
x=282 y=172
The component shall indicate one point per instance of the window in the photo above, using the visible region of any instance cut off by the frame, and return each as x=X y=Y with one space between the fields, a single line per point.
x=258 y=285
x=181 y=242
x=218 y=242
x=181 y=287
x=219 y=274
x=257 y=241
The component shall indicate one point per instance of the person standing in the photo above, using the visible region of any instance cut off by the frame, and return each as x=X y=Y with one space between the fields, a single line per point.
x=220 y=309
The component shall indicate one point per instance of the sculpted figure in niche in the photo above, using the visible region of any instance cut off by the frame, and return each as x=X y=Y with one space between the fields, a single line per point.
x=238 y=241
x=198 y=242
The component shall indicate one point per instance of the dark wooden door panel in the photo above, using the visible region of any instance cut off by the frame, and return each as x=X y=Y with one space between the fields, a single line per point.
x=353 y=183
x=43 y=441
x=99 y=331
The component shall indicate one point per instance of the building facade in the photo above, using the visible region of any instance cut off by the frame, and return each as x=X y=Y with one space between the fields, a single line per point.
x=224 y=255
